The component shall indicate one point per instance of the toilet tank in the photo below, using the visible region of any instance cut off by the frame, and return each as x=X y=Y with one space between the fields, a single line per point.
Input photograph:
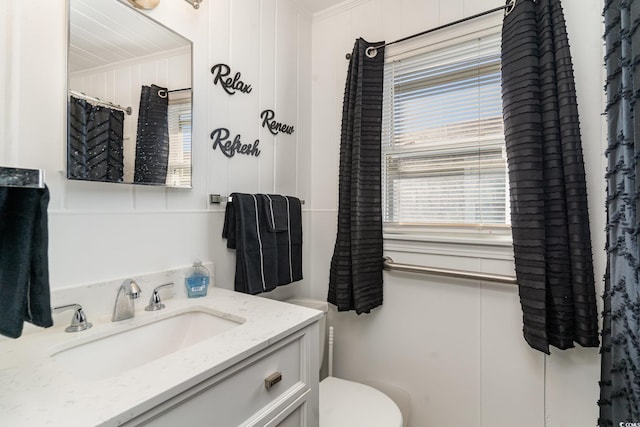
x=317 y=305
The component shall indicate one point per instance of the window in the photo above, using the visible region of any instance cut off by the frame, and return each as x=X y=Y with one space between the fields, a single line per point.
x=179 y=113
x=443 y=151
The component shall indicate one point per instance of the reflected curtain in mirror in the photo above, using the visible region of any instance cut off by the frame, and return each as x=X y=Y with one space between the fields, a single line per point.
x=95 y=142
x=152 y=143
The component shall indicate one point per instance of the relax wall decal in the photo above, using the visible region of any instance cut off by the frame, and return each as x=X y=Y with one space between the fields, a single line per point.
x=230 y=147
x=274 y=127
x=230 y=85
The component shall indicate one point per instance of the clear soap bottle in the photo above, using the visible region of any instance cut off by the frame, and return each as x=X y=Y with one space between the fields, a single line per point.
x=197 y=280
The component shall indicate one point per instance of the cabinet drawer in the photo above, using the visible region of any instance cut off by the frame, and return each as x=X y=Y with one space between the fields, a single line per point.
x=245 y=392
x=233 y=396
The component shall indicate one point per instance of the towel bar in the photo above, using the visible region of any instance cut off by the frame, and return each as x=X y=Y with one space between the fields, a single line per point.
x=215 y=199
x=389 y=264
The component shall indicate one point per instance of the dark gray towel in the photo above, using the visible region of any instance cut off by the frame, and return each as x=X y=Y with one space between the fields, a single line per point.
x=266 y=232
x=276 y=209
x=24 y=268
x=284 y=223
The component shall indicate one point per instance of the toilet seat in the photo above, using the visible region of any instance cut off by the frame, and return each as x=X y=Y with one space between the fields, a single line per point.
x=347 y=404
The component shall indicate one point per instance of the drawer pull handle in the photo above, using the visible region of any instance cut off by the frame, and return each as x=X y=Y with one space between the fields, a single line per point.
x=272 y=380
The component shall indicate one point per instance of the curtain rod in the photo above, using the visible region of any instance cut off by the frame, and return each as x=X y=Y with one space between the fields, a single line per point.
x=372 y=51
x=99 y=101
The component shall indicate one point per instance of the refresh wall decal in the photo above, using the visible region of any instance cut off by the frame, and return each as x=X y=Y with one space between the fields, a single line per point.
x=221 y=73
x=231 y=147
x=274 y=127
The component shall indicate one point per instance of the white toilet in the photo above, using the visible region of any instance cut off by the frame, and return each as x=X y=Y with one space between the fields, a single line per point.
x=346 y=403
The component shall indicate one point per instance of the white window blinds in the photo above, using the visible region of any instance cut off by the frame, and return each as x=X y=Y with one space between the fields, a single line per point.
x=443 y=155
x=179 y=116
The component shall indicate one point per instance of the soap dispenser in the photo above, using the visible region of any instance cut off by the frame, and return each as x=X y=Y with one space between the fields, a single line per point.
x=197 y=280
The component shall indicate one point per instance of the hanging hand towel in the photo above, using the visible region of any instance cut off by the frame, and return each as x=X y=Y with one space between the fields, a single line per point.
x=266 y=232
x=284 y=223
x=24 y=269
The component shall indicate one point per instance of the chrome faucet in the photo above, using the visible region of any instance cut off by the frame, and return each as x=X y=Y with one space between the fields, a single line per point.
x=124 y=307
x=79 y=320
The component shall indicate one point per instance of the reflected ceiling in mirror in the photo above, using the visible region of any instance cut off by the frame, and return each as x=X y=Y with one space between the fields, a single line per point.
x=129 y=117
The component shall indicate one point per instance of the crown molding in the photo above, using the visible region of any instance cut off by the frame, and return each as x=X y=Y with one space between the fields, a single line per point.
x=337 y=9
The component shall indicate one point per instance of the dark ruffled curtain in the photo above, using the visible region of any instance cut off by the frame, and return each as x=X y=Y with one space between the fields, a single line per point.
x=620 y=382
x=95 y=142
x=550 y=224
x=356 y=266
x=152 y=142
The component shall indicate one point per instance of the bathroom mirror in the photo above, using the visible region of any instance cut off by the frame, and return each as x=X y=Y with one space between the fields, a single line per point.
x=129 y=104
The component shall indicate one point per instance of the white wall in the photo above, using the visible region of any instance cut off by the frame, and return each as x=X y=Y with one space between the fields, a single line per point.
x=103 y=231
x=455 y=346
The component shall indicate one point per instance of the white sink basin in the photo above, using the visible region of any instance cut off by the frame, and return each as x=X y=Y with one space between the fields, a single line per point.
x=114 y=352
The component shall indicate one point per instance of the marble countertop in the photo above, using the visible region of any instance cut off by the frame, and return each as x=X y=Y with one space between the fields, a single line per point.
x=35 y=390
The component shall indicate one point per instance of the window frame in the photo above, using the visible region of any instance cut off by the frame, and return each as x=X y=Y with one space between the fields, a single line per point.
x=459 y=238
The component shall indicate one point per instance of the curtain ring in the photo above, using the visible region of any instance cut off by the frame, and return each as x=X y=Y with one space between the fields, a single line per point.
x=162 y=93
x=371 y=52
x=511 y=4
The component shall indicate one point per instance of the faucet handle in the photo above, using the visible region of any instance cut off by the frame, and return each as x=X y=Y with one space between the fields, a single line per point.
x=78 y=321
x=155 y=303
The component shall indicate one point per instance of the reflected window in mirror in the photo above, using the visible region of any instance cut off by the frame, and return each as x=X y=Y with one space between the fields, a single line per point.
x=179 y=171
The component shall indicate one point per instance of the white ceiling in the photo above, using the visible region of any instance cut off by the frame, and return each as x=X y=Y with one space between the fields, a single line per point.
x=104 y=32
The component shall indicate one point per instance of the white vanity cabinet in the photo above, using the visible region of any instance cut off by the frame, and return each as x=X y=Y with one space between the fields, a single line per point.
x=240 y=395
x=172 y=379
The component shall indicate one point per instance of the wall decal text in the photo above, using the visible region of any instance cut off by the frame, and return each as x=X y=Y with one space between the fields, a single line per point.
x=230 y=147
x=274 y=127
x=230 y=85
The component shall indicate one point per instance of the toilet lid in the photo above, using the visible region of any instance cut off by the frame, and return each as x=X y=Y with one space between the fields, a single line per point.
x=348 y=404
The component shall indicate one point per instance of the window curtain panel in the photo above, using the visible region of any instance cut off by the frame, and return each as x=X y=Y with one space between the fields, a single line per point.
x=152 y=142
x=550 y=224
x=96 y=151
x=620 y=373
x=355 y=281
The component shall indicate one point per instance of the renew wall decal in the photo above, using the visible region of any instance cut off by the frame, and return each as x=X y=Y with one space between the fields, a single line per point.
x=274 y=126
